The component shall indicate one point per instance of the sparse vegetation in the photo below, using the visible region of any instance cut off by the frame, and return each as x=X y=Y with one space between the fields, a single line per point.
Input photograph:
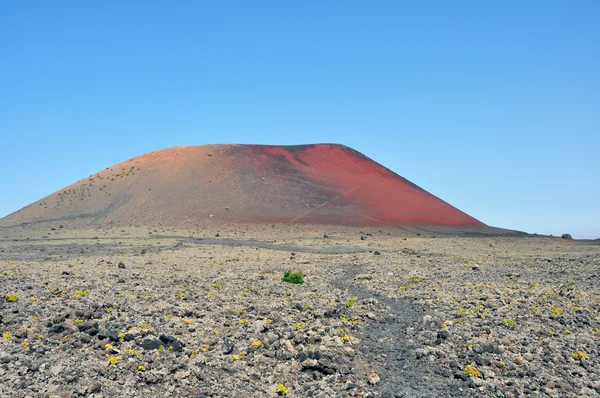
x=509 y=323
x=472 y=371
x=281 y=389
x=81 y=293
x=416 y=279
x=293 y=277
x=11 y=298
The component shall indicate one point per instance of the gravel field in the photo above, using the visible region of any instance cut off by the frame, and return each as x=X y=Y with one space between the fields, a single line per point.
x=140 y=312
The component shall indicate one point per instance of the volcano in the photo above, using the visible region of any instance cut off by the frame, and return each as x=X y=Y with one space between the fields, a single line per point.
x=311 y=184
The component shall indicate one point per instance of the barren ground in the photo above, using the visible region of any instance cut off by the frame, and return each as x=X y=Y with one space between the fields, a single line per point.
x=185 y=313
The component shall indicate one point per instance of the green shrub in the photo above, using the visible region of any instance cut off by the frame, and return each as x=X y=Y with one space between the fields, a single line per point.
x=509 y=323
x=11 y=298
x=350 y=302
x=472 y=371
x=293 y=277
x=281 y=389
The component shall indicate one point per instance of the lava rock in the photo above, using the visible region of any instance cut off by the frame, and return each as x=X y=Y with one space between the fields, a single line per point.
x=151 y=343
x=227 y=347
x=94 y=387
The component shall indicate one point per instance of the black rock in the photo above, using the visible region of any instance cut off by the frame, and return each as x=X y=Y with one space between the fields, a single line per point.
x=87 y=325
x=171 y=342
x=227 y=347
x=491 y=349
x=121 y=265
x=443 y=334
x=55 y=329
x=566 y=236
x=84 y=339
x=151 y=343
x=377 y=253
x=113 y=335
x=92 y=331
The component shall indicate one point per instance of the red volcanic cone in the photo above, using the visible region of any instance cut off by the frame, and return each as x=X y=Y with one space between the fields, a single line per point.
x=323 y=183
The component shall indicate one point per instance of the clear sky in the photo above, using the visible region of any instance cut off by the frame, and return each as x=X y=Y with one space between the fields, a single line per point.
x=492 y=106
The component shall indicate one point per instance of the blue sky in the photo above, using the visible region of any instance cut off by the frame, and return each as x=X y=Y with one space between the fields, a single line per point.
x=492 y=106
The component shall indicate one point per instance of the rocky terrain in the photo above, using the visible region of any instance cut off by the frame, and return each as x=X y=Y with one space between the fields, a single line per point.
x=142 y=312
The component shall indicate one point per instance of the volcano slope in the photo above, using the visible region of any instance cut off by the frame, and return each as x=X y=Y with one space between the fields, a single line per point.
x=310 y=184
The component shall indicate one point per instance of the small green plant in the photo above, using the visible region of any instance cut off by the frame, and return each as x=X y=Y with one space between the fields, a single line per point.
x=300 y=325
x=180 y=296
x=579 y=356
x=6 y=336
x=11 y=298
x=416 y=279
x=81 y=293
x=293 y=277
x=141 y=368
x=281 y=389
x=350 y=302
x=472 y=371
x=556 y=312
x=113 y=360
x=509 y=323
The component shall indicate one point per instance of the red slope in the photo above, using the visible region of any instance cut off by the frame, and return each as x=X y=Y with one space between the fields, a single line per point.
x=321 y=183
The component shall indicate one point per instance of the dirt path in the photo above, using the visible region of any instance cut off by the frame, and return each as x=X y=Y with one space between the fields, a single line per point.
x=389 y=345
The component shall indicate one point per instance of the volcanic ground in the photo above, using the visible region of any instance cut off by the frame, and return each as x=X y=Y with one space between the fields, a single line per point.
x=123 y=286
